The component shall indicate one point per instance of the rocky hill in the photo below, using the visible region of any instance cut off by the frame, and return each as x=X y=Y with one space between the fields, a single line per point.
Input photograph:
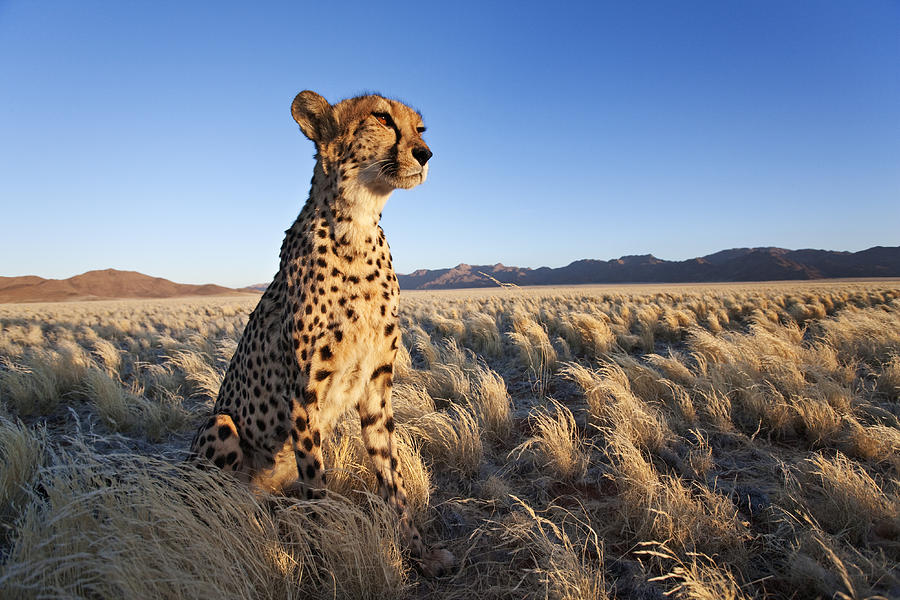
x=99 y=285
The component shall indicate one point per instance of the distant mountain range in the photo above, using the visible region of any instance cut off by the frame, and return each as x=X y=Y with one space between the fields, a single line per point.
x=100 y=285
x=738 y=264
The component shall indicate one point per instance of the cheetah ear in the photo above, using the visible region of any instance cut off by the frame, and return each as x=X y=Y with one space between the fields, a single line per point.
x=315 y=117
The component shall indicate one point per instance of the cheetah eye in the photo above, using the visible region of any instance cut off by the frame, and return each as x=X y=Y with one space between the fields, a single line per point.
x=384 y=119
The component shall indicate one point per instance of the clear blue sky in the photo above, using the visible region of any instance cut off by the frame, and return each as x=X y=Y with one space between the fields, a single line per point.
x=156 y=136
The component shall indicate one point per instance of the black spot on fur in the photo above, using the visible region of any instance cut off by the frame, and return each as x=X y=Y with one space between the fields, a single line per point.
x=385 y=368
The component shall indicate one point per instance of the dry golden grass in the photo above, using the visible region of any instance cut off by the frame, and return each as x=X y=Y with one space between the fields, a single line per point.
x=491 y=403
x=450 y=438
x=556 y=449
x=730 y=441
x=558 y=557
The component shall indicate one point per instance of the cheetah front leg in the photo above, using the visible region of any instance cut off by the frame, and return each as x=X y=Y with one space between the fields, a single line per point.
x=377 y=423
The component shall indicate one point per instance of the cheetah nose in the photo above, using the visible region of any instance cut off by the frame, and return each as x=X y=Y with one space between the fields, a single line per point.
x=422 y=154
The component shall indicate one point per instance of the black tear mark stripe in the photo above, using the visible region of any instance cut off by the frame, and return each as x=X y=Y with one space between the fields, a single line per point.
x=393 y=125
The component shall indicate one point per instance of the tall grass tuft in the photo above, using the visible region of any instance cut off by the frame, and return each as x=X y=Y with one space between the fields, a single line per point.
x=201 y=378
x=491 y=403
x=22 y=454
x=611 y=403
x=561 y=556
x=698 y=578
x=108 y=356
x=556 y=448
x=846 y=500
x=536 y=353
x=451 y=438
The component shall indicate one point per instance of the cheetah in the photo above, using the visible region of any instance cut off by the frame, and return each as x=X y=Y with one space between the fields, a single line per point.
x=324 y=335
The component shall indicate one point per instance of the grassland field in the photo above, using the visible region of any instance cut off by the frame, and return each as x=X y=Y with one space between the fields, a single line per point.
x=695 y=441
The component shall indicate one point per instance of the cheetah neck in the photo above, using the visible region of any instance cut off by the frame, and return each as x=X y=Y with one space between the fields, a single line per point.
x=351 y=209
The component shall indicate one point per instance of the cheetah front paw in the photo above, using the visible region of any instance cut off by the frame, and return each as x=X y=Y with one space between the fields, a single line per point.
x=436 y=562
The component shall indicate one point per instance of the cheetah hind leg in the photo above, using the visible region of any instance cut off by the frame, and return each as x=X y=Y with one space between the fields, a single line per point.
x=217 y=442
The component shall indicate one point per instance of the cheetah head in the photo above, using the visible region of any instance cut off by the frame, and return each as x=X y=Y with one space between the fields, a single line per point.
x=374 y=139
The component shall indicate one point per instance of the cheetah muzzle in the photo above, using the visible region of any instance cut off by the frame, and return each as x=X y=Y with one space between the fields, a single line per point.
x=324 y=335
